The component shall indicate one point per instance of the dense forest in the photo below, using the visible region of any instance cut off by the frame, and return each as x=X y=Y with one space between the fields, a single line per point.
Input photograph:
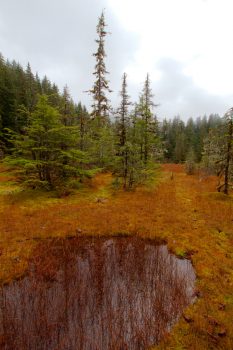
x=57 y=142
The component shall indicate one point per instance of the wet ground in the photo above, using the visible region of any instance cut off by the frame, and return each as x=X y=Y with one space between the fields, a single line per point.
x=95 y=293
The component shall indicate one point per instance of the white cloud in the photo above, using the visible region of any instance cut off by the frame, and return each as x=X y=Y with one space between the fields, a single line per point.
x=185 y=45
x=197 y=33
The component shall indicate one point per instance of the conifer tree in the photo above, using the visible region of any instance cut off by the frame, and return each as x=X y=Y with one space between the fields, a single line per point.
x=47 y=151
x=149 y=123
x=229 y=150
x=67 y=108
x=31 y=93
x=122 y=128
x=83 y=122
x=101 y=135
x=38 y=84
x=213 y=151
x=190 y=163
x=218 y=152
x=100 y=104
x=135 y=160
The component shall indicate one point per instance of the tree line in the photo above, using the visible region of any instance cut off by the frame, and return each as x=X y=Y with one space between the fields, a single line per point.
x=57 y=143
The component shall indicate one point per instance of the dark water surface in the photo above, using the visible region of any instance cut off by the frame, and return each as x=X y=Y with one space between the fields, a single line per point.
x=95 y=294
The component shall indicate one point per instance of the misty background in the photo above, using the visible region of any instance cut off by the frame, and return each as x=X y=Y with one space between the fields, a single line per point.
x=57 y=38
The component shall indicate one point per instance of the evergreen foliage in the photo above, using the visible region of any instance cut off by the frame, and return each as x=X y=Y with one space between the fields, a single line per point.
x=178 y=138
x=218 y=152
x=53 y=140
x=47 y=150
x=123 y=140
x=100 y=105
x=148 y=123
x=136 y=137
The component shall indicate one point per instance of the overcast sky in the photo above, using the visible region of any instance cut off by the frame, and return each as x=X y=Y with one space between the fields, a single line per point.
x=185 y=46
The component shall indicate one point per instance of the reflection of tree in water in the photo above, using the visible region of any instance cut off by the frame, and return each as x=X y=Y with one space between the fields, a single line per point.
x=120 y=293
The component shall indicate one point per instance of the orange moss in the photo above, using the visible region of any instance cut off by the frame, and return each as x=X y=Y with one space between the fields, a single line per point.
x=174 y=168
x=184 y=210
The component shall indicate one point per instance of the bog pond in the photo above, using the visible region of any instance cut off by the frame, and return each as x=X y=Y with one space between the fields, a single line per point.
x=95 y=293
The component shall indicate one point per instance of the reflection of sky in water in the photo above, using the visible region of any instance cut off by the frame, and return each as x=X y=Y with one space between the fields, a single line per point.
x=120 y=293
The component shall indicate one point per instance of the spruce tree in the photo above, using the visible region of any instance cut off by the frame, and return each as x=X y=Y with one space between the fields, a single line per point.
x=31 y=93
x=148 y=122
x=47 y=151
x=101 y=135
x=83 y=122
x=218 y=152
x=67 y=108
x=122 y=129
x=100 y=106
x=229 y=150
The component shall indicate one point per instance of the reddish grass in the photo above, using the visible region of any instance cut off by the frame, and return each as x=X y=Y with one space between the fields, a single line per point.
x=185 y=210
x=174 y=168
x=117 y=293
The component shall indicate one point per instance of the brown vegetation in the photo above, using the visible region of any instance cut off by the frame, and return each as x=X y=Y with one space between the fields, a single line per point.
x=96 y=293
x=186 y=211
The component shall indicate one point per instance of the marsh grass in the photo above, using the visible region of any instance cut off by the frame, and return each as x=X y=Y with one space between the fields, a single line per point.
x=96 y=293
x=183 y=210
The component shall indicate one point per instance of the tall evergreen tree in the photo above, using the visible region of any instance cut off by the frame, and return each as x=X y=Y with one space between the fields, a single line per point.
x=149 y=123
x=122 y=127
x=101 y=135
x=100 y=104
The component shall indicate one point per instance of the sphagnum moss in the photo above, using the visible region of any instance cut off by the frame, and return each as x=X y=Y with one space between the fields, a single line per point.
x=183 y=210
